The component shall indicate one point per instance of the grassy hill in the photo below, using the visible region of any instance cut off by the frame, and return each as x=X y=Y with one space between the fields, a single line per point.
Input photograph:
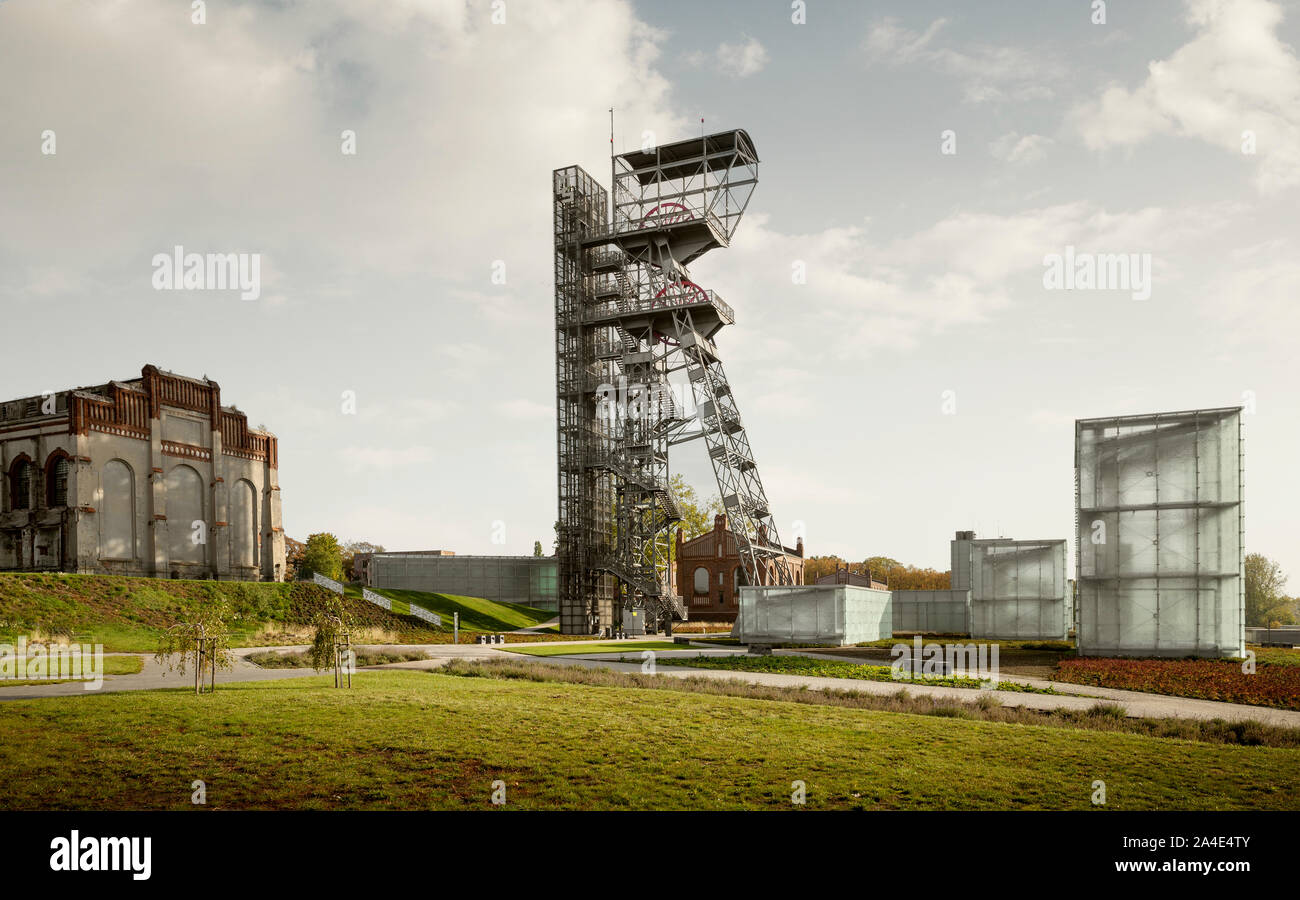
x=416 y=740
x=476 y=614
x=128 y=614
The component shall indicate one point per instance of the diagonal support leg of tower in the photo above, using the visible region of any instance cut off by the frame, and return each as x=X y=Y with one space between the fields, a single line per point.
x=749 y=515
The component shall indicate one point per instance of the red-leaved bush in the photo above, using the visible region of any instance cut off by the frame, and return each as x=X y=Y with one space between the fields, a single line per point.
x=1206 y=679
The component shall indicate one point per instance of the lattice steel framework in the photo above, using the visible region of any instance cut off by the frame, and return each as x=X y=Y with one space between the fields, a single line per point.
x=628 y=316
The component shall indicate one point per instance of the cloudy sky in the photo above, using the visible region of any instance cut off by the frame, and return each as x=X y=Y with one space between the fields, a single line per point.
x=922 y=380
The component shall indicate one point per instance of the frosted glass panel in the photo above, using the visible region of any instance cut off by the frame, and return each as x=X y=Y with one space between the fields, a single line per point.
x=1159 y=529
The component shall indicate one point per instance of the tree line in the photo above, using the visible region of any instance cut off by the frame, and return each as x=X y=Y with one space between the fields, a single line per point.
x=899 y=576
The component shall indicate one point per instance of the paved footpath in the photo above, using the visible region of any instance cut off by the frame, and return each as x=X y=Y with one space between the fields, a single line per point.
x=155 y=675
x=1069 y=696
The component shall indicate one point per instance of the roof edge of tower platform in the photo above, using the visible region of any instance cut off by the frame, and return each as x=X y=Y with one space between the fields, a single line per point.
x=1215 y=412
x=682 y=157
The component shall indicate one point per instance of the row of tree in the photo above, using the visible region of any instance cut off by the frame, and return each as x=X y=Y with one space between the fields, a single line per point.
x=897 y=575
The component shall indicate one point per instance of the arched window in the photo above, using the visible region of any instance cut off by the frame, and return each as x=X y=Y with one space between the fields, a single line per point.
x=186 y=526
x=117 y=517
x=243 y=524
x=738 y=578
x=56 y=480
x=701 y=580
x=20 y=484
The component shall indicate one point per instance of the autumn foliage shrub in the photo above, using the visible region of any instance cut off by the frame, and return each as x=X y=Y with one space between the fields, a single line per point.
x=1204 y=679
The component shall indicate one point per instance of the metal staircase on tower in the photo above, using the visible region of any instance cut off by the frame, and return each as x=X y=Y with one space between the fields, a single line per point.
x=629 y=316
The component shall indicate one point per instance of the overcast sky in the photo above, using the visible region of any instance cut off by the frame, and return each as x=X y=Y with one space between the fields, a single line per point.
x=924 y=268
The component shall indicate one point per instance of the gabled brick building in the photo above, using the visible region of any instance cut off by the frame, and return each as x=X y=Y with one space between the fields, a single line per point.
x=709 y=571
x=150 y=476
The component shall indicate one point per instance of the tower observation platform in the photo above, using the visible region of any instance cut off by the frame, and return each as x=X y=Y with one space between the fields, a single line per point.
x=628 y=315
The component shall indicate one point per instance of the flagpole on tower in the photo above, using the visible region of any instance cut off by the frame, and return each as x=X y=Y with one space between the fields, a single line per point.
x=612 y=168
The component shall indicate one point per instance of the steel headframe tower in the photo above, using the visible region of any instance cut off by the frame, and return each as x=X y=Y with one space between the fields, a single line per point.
x=627 y=316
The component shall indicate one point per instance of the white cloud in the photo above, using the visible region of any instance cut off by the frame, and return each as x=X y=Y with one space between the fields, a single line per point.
x=887 y=38
x=436 y=95
x=226 y=137
x=1020 y=148
x=1054 y=420
x=520 y=408
x=965 y=268
x=366 y=458
x=989 y=73
x=1234 y=76
x=395 y=409
x=741 y=60
x=405 y=527
x=1252 y=299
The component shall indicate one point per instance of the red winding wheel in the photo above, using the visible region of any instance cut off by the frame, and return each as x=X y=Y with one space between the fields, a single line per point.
x=669 y=212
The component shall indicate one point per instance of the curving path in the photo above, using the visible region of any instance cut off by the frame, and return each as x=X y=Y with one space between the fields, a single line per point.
x=154 y=676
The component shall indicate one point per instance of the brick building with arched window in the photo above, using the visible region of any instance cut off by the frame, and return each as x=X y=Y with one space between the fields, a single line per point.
x=709 y=571
x=150 y=476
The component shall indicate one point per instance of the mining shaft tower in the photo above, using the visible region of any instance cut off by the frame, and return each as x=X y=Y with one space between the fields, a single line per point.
x=627 y=316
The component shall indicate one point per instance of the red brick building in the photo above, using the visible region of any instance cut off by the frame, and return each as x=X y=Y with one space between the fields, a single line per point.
x=709 y=571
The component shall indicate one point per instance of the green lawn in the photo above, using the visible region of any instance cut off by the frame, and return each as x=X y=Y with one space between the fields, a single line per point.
x=831 y=668
x=476 y=614
x=113 y=665
x=631 y=648
x=1275 y=656
x=123 y=665
x=415 y=740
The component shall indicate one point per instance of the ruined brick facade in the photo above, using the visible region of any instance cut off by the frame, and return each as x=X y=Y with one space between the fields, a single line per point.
x=150 y=477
